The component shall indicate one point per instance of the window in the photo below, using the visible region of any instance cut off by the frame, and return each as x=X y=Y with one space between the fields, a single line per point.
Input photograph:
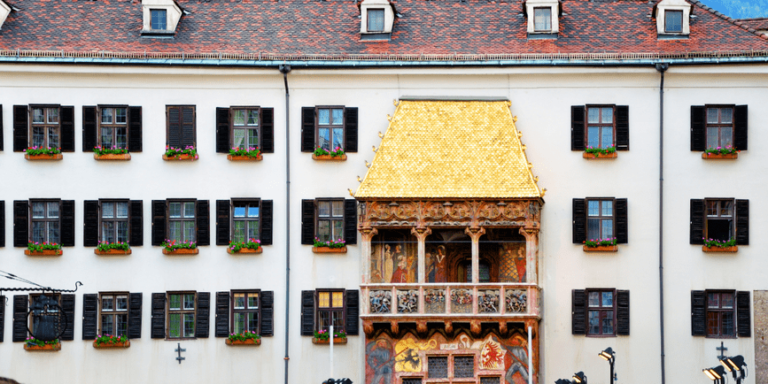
x=411 y=380
x=245 y=312
x=719 y=220
x=463 y=366
x=181 y=221
x=245 y=128
x=158 y=19
x=437 y=367
x=542 y=19
x=673 y=21
x=46 y=127
x=490 y=380
x=51 y=309
x=330 y=220
x=600 y=127
x=330 y=128
x=245 y=220
x=375 y=20
x=330 y=310
x=599 y=219
x=181 y=126
x=114 y=221
x=719 y=127
x=721 y=314
x=601 y=313
x=114 y=314
x=181 y=315
x=46 y=221
x=113 y=127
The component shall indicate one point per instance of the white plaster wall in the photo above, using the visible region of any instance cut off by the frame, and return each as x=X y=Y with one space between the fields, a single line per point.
x=541 y=98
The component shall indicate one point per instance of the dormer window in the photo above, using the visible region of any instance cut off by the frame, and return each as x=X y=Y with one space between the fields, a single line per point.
x=376 y=19
x=159 y=19
x=673 y=21
x=542 y=19
x=5 y=10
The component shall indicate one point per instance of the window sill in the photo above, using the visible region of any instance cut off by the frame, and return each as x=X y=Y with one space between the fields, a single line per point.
x=112 y=157
x=185 y=251
x=732 y=249
x=336 y=340
x=602 y=248
x=597 y=156
x=124 y=345
x=329 y=158
x=245 y=250
x=245 y=158
x=329 y=250
x=47 y=252
x=181 y=158
x=43 y=348
x=719 y=156
x=55 y=157
x=112 y=252
x=245 y=343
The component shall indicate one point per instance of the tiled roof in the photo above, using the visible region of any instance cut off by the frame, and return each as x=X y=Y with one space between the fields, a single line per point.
x=760 y=23
x=450 y=148
x=315 y=27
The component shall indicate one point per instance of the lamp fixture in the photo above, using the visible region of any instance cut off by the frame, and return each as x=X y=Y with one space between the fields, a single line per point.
x=580 y=378
x=735 y=364
x=610 y=356
x=563 y=381
x=715 y=373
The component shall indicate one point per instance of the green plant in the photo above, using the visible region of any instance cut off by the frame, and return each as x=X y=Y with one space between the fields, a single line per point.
x=709 y=243
x=594 y=243
x=188 y=150
x=323 y=335
x=45 y=246
x=109 y=339
x=98 y=150
x=36 y=151
x=32 y=342
x=170 y=245
x=236 y=246
x=106 y=246
x=727 y=150
x=330 y=243
x=250 y=152
x=319 y=151
x=244 y=336
x=600 y=151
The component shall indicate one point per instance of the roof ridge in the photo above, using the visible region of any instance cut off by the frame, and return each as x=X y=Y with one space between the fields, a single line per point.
x=736 y=22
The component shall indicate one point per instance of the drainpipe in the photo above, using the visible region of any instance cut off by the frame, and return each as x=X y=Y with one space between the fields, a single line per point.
x=661 y=67
x=284 y=69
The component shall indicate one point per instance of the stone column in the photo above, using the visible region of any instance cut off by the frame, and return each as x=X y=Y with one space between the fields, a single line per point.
x=367 y=235
x=421 y=235
x=531 y=254
x=475 y=234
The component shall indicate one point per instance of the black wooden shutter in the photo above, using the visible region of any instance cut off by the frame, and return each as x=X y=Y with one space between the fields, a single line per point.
x=698 y=128
x=222 y=222
x=268 y=130
x=307 y=313
x=579 y=221
x=622 y=128
x=2 y=318
x=741 y=123
x=266 y=222
x=222 y=130
x=135 y=133
x=20 y=303
x=222 y=314
x=577 y=128
x=90 y=138
x=1 y=148
x=67 y=129
x=203 y=314
x=137 y=223
x=20 y=223
x=203 y=222
x=158 y=316
x=350 y=130
x=90 y=316
x=579 y=312
x=743 y=315
x=2 y=223
x=174 y=127
x=742 y=222
x=158 y=222
x=307 y=129
x=188 y=126
x=136 y=300
x=20 y=128
x=350 y=221
x=267 y=313
x=90 y=223
x=68 y=223
x=622 y=222
x=352 y=321
x=307 y=222
x=697 y=221
x=698 y=313
x=68 y=305
x=622 y=313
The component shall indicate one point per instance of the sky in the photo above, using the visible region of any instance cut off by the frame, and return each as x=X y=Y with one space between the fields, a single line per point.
x=739 y=9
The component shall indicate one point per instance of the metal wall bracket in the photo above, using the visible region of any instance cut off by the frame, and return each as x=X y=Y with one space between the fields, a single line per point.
x=179 y=350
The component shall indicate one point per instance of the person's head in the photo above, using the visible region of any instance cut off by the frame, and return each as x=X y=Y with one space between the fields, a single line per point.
x=386 y=247
x=397 y=248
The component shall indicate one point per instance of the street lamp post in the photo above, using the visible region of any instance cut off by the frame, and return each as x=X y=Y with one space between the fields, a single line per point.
x=610 y=356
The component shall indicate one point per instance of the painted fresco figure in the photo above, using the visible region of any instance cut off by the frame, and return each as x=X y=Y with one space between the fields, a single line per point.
x=520 y=263
x=379 y=359
x=519 y=363
x=430 y=268
x=440 y=265
x=389 y=264
x=400 y=275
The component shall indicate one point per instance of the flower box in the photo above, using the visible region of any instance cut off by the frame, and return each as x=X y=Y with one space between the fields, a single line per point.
x=244 y=158
x=330 y=158
x=247 y=342
x=336 y=340
x=43 y=348
x=244 y=250
x=112 y=157
x=181 y=251
x=118 y=344
x=55 y=157
x=329 y=250
x=110 y=252
x=719 y=156
x=45 y=252
x=595 y=156
x=731 y=249
x=180 y=158
x=602 y=248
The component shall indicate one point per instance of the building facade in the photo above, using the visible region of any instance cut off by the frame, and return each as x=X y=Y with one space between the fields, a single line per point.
x=465 y=202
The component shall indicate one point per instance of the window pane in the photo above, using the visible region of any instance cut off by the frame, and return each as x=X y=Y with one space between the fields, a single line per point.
x=253 y=300
x=726 y=115
x=593 y=229
x=38 y=232
x=122 y=210
x=324 y=138
x=607 y=229
x=338 y=117
x=607 y=137
x=253 y=322
x=239 y=139
x=712 y=209
x=158 y=19
x=607 y=299
x=542 y=19
x=239 y=117
x=324 y=299
x=324 y=230
x=253 y=138
x=713 y=300
x=338 y=299
x=712 y=115
x=122 y=231
x=239 y=300
x=338 y=320
x=38 y=210
x=713 y=134
x=108 y=231
x=107 y=210
x=727 y=328
x=189 y=325
x=189 y=301
x=338 y=208
x=239 y=323
x=594 y=299
x=121 y=303
x=607 y=207
x=253 y=229
x=106 y=138
x=239 y=211
x=53 y=138
x=189 y=231
x=323 y=116
x=338 y=138
x=189 y=210
x=324 y=208
x=174 y=230
x=726 y=300
x=338 y=230
x=174 y=325
x=53 y=115
x=174 y=210
x=593 y=115
x=53 y=210
x=375 y=20
x=608 y=323
x=607 y=115
x=713 y=324
x=593 y=207
x=120 y=116
x=593 y=137
x=121 y=325
x=594 y=322
x=238 y=231
x=53 y=232
x=726 y=136
x=726 y=208
x=38 y=137
x=107 y=303
x=673 y=21
x=38 y=117
x=324 y=320
x=175 y=302
x=121 y=137
x=253 y=211
x=106 y=115
x=253 y=117
x=107 y=325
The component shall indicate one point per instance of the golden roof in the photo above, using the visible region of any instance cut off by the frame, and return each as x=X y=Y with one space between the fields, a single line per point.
x=450 y=149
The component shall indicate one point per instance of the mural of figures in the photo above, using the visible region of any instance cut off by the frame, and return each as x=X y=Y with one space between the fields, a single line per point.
x=513 y=263
x=394 y=258
x=379 y=359
x=517 y=361
x=436 y=264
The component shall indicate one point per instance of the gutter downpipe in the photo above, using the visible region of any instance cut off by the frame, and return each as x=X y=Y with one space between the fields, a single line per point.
x=285 y=69
x=661 y=67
